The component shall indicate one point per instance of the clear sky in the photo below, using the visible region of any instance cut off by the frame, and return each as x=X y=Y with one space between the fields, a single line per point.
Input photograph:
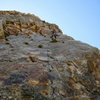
x=77 y=18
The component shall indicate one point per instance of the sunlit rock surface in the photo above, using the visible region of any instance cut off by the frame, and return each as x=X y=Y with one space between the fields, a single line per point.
x=32 y=67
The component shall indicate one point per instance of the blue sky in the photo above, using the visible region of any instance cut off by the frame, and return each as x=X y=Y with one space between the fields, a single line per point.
x=77 y=18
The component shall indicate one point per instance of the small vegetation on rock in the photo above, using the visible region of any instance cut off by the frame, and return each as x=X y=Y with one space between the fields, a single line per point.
x=40 y=46
x=54 y=41
x=6 y=42
x=26 y=43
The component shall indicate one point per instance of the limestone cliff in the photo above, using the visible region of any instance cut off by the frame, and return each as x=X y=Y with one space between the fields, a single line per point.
x=33 y=67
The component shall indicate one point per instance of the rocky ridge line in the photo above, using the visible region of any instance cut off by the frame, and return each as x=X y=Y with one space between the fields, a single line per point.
x=33 y=67
x=12 y=22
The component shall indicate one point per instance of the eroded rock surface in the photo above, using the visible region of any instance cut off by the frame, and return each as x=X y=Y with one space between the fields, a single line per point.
x=15 y=23
x=32 y=67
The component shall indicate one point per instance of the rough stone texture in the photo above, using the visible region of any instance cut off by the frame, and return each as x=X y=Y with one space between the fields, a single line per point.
x=32 y=67
x=16 y=23
x=1 y=30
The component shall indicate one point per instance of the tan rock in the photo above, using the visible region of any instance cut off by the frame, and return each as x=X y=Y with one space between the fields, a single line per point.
x=97 y=71
x=24 y=26
x=45 y=93
x=11 y=30
x=1 y=30
x=28 y=32
x=45 y=31
x=81 y=98
x=33 y=82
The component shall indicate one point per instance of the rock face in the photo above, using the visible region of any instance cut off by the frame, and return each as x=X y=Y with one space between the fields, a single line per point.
x=32 y=67
x=1 y=30
x=16 y=23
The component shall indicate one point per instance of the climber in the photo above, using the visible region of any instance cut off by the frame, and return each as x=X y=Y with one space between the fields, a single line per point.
x=53 y=35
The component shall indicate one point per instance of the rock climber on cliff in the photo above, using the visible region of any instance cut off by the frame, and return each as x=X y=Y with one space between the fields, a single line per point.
x=53 y=35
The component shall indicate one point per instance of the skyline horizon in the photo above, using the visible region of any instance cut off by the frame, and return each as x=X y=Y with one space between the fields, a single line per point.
x=78 y=19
